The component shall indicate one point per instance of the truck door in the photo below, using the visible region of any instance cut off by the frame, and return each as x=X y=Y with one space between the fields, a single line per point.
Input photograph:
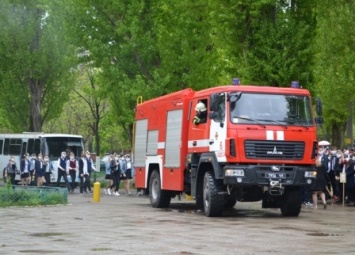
x=218 y=128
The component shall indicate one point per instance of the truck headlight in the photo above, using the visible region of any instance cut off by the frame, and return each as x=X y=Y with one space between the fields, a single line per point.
x=234 y=172
x=310 y=174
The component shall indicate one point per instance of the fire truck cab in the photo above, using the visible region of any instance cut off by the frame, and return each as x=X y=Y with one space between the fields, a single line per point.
x=258 y=143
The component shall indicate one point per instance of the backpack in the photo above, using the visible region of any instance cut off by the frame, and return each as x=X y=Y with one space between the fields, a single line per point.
x=10 y=170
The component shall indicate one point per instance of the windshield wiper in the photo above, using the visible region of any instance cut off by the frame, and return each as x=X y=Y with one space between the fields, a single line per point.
x=249 y=119
x=295 y=121
x=275 y=121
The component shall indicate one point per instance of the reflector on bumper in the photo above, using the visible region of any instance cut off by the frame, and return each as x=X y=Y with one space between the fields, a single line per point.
x=310 y=174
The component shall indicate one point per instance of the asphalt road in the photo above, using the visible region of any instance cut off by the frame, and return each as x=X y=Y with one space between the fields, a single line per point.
x=129 y=225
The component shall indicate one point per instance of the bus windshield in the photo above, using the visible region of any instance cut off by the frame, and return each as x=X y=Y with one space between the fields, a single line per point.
x=272 y=109
x=55 y=145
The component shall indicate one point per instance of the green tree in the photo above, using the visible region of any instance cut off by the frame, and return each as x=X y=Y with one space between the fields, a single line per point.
x=335 y=63
x=89 y=90
x=148 y=49
x=277 y=38
x=85 y=110
x=35 y=69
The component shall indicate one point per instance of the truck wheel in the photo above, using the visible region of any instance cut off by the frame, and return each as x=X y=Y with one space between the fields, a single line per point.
x=291 y=203
x=212 y=202
x=158 y=198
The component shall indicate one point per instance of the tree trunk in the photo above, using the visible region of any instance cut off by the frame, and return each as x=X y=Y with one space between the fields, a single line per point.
x=36 y=93
x=36 y=85
x=338 y=130
x=97 y=137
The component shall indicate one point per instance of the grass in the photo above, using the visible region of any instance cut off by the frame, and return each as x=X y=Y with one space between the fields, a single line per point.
x=31 y=196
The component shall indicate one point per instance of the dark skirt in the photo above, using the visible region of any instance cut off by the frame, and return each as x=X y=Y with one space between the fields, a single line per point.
x=129 y=174
x=320 y=183
x=108 y=177
x=25 y=175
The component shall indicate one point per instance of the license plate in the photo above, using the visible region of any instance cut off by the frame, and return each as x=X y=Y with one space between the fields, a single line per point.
x=275 y=175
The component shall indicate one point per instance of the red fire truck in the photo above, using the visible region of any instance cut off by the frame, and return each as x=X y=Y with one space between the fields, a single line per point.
x=258 y=143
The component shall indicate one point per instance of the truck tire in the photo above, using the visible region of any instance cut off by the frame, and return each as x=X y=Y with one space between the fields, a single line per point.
x=212 y=201
x=199 y=202
x=158 y=198
x=291 y=203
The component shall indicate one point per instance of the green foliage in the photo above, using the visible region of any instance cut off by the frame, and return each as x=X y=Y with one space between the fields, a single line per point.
x=335 y=63
x=138 y=48
x=31 y=196
x=278 y=39
x=35 y=67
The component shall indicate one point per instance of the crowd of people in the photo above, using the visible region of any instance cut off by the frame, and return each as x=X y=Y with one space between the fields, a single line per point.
x=335 y=178
x=335 y=174
x=118 y=168
x=36 y=170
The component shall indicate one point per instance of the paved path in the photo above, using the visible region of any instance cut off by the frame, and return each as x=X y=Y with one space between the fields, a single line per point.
x=129 y=225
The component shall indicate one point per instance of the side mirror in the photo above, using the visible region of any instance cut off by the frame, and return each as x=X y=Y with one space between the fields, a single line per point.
x=319 y=120
x=213 y=102
x=319 y=107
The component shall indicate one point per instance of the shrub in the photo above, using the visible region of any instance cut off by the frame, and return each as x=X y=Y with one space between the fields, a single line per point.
x=32 y=196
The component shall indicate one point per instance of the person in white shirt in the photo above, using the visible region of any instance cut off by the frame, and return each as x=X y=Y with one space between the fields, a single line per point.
x=127 y=175
x=62 y=170
x=72 y=166
x=48 y=168
x=25 y=170
x=83 y=174
x=39 y=170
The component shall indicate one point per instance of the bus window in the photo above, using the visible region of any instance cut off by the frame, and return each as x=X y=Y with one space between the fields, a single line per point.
x=7 y=147
x=37 y=146
x=24 y=148
x=34 y=146
x=1 y=144
x=12 y=147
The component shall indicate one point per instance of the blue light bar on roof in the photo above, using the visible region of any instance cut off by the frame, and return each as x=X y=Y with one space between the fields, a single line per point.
x=295 y=84
x=236 y=81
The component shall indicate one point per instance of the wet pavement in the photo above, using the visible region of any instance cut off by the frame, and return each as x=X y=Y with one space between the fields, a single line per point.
x=129 y=225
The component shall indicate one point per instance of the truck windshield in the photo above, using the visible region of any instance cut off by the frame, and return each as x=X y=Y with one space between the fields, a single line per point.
x=272 y=109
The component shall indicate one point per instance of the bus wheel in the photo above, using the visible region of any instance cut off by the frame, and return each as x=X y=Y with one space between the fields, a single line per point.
x=212 y=202
x=158 y=198
x=291 y=203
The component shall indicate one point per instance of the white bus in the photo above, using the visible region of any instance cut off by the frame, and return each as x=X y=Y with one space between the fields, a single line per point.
x=17 y=145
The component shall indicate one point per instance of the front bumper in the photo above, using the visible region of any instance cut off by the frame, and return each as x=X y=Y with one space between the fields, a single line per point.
x=251 y=175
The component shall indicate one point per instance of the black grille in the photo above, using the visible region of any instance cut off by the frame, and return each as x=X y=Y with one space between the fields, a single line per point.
x=274 y=150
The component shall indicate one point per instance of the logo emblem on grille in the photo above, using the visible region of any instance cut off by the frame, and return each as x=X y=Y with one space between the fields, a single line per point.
x=274 y=152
